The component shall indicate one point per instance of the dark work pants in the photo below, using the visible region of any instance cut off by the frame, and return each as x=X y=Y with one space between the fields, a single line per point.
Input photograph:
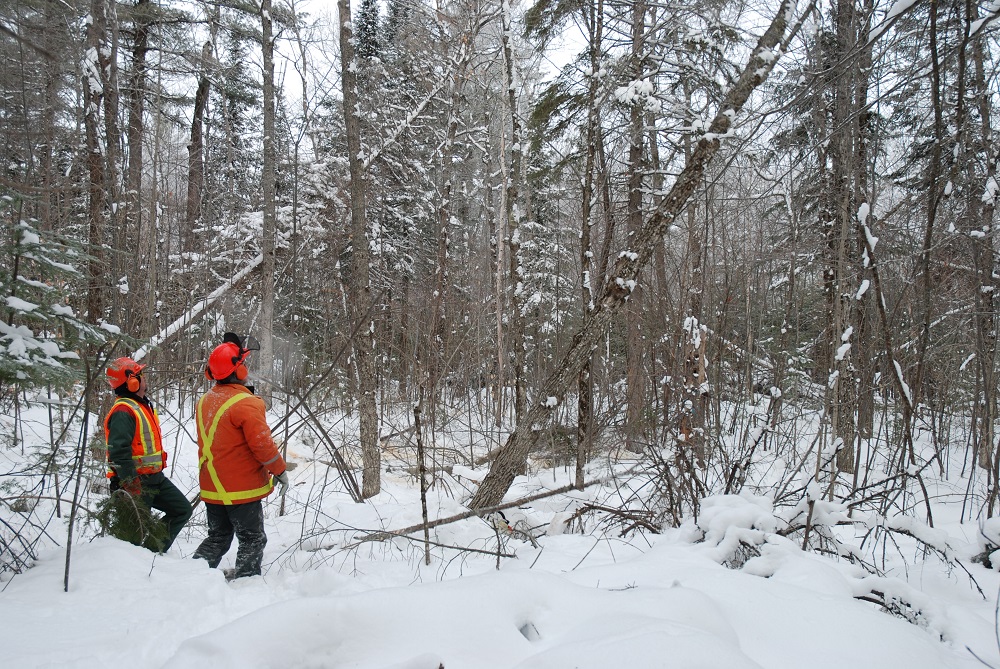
x=246 y=521
x=159 y=493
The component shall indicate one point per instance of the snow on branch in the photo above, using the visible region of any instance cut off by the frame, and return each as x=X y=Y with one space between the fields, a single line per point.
x=195 y=312
x=464 y=55
x=748 y=533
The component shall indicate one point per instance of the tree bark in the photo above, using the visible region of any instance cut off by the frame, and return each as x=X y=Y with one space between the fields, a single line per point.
x=196 y=149
x=268 y=179
x=634 y=358
x=515 y=218
x=585 y=384
x=96 y=202
x=134 y=133
x=360 y=285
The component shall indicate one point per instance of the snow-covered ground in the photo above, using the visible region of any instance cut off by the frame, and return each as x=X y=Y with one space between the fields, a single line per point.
x=576 y=600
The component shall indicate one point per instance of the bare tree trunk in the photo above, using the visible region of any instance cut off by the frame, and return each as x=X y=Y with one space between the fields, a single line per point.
x=360 y=285
x=515 y=218
x=97 y=204
x=196 y=149
x=585 y=385
x=935 y=192
x=267 y=177
x=496 y=274
x=863 y=310
x=627 y=267
x=437 y=349
x=848 y=326
x=634 y=353
x=132 y=223
x=108 y=56
x=981 y=213
x=692 y=339
x=149 y=241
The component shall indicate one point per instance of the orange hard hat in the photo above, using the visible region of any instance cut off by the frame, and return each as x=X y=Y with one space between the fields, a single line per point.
x=120 y=371
x=227 y=358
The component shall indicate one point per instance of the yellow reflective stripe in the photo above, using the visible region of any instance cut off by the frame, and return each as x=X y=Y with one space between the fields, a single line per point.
x=239 y=495
x=145 y=429
x=150 y=456
x=207 y=436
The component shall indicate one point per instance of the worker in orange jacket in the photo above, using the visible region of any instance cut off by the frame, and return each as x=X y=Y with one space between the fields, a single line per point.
x=136 y=458
x=237 y=458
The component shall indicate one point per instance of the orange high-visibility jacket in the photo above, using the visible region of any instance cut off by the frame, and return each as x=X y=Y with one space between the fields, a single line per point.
x=148 y=455
x=236 y=454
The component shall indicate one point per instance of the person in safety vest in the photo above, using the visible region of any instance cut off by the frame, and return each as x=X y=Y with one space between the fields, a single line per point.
x=135 y=449
x=237 y=458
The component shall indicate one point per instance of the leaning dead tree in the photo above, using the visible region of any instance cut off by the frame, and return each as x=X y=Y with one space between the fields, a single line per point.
x=625 y=273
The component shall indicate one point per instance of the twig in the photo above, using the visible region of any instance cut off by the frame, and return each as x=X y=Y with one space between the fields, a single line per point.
x=422 y=470
x=378 y=536
x=79 y=470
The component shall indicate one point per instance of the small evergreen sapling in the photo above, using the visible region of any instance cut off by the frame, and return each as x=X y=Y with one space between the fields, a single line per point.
x=128 y=518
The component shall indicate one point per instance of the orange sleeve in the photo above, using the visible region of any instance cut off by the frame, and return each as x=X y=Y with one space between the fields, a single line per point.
x=248 y=416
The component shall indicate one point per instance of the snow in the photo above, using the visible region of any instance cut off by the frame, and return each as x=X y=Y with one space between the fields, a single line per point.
x=476 y=475
x=662 y=606
x=872 y=239
x=628 y=285
x=966 y=362
x=52 y=263
x=28 y=236
x=991 y=190
x=640 y=91
x=990 y=12
x=109 y=327
x=863 y=211
x=194 y=311
x=902 y=382
x=18 y=304
x=34 y=284
x=62 y=310
x=862 y=289
x=676 y=599
x=897 y=9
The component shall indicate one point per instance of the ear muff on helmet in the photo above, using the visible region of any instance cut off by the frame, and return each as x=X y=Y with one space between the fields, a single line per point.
x=125 y=372
x=132 y=381
x=227 y=359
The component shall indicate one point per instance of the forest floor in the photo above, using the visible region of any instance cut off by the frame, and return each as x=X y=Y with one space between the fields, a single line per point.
x=728 y=591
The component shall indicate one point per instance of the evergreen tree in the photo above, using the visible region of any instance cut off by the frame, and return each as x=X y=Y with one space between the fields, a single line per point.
x=40 y=333
x=367 y=32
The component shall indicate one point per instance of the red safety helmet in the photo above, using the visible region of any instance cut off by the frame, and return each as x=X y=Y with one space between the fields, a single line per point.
x=125 y=371
x=228 y=358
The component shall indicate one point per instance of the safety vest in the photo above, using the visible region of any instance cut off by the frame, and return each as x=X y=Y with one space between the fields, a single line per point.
x=206 y=439
x=147 y=443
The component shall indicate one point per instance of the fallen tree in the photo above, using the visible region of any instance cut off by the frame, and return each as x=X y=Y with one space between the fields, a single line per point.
x=624 y=276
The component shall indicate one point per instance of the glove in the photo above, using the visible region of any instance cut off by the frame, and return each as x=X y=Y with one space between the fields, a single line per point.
x=282 y=480
x=132 y=486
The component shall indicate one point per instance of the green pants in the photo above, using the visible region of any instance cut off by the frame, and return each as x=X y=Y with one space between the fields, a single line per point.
x=159 y=493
